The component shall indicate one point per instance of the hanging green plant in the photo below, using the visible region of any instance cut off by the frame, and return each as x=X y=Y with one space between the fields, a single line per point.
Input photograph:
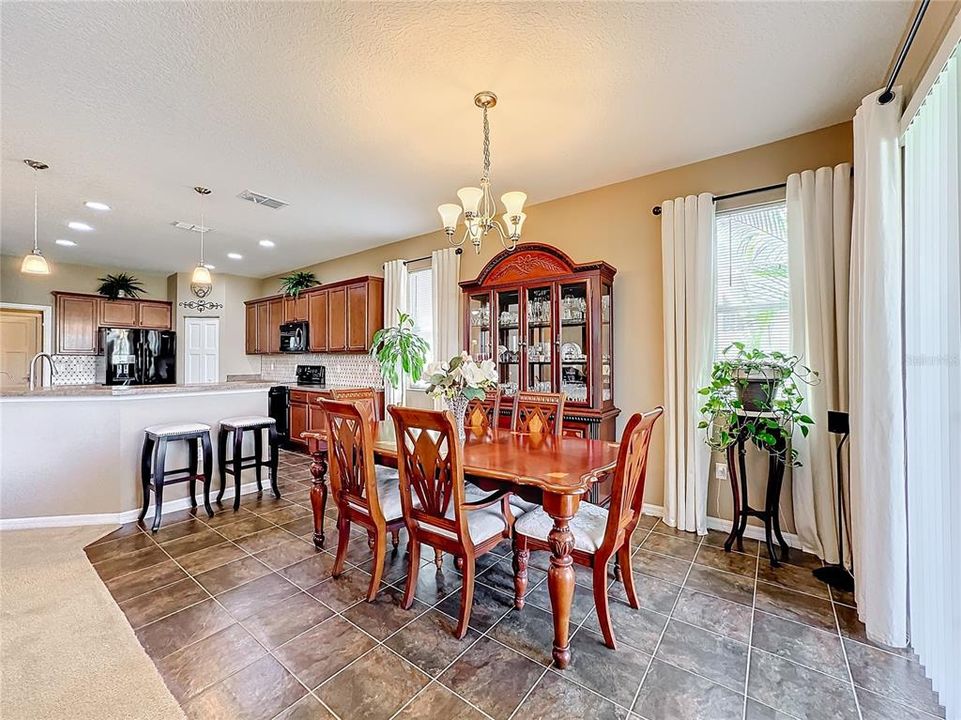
x=400 y=351
x=295 y=283
x=757 y=393
x=119 y=286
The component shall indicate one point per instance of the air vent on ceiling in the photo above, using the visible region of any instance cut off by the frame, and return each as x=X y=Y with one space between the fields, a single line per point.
x=264 y=200
x=190 y=226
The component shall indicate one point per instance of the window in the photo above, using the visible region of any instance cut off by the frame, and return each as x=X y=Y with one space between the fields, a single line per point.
x=420 y=305
x=752 y=297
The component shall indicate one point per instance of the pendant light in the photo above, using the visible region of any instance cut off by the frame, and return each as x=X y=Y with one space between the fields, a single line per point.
x=35 y=263
x=201 y=277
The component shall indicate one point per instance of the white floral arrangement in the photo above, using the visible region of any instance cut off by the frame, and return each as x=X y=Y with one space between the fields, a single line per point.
x=461 y=376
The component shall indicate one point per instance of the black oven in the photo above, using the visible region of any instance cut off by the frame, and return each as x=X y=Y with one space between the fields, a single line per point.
x=293 y=337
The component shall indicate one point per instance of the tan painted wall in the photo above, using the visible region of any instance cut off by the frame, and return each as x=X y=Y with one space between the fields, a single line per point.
x=16 y=287
x=614 y=223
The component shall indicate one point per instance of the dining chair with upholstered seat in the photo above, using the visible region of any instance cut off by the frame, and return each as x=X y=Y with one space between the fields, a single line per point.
x=435 y=502
x=538 y=412
x=365 y=493
x=599 y=533
x=484 y=413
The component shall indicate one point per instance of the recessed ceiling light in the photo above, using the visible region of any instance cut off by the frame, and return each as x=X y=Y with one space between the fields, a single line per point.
x=65 y=243
x=235 y=256
x=74 y=225
x=267 y=243
x=94 y=205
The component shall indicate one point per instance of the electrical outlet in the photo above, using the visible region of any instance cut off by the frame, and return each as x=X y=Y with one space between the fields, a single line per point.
x=720 y=471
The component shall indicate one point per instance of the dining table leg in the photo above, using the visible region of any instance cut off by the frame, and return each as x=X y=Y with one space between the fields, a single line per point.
x=560 y=574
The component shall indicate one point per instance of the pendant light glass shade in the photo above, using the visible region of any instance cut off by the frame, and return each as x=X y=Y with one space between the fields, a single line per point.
x=449 y=212
x=34 y=264
x=470 y=198
x=514 y=202
x=201 y=276
x=514 y=230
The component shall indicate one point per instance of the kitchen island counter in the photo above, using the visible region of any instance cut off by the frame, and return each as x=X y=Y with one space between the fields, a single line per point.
x=113 y=391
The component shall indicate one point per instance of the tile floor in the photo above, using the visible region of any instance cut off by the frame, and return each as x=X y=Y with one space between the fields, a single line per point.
x=243 y=620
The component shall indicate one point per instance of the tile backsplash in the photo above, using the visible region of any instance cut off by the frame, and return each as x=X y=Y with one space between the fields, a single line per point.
x=342 y=369
x=78 y=370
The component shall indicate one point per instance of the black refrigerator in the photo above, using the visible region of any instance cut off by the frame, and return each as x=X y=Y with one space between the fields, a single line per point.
x=140 y=357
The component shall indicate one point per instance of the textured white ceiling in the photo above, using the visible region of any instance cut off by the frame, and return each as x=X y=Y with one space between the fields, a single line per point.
x=360 y=115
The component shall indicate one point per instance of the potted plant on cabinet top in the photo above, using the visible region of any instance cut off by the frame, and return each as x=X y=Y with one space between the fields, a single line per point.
x=756 y=393
x=295 y=283
x=400 y=351
x=119 y=286
x=458 y=381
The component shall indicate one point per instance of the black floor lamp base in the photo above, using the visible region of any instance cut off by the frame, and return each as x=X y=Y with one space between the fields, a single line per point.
x=837 y=576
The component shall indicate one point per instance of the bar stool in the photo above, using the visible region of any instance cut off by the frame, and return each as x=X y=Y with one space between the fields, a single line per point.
x=153 y=471
x=238 y=426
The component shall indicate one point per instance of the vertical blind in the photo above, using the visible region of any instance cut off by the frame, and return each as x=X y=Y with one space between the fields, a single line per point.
x=421 y=306
x=932 y=343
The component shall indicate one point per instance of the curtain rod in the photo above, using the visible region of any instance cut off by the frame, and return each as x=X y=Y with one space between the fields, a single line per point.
x=458 y=251
x=656 y=210
x=887 y=96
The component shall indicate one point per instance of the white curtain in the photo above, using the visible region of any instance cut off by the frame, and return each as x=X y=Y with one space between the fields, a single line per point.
x=687 y=250
x=395 y=300
x=445 y=275
x=819 y=249
x=932 y=338
x=878 y=508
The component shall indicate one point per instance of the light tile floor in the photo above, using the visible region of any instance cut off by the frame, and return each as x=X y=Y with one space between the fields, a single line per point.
x=243 y=620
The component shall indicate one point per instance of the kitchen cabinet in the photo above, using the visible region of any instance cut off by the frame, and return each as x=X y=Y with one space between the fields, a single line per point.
x=263 y=328
x=365 y=314
x=307 y=415
x=275 y=318
x=317 y=321
x=298 y=421
x=295 y=308
x=78 y=318
x=251 y=346
x=547 y=323
x=337 y=320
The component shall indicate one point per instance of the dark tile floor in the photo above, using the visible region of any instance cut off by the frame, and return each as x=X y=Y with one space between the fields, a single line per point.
x=243 y=620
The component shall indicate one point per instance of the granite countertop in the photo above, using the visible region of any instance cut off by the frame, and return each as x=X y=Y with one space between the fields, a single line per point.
x=131 y=390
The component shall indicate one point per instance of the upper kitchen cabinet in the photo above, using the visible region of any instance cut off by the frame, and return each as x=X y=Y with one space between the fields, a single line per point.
x=341 y=317
x=79 y=317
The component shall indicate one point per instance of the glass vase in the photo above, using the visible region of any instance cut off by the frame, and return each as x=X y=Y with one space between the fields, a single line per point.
x=458 y=406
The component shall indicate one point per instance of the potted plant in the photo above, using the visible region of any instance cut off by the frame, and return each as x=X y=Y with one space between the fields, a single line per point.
x=756 y=393
x=295 y=283
x=400 y=351
x=458 y=381
x=119 y=286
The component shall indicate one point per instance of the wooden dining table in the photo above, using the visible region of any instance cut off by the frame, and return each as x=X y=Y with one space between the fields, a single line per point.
x=554 y=471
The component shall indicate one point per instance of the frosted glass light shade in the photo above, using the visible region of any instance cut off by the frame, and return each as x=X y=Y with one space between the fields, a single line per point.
x=34 y=264
x=511 y=227
x=201 y=276
x=470 y=198
x=514 y=202
x=449 y=212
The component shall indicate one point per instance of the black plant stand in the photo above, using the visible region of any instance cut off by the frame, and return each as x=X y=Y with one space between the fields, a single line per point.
x=737 y=472
x=837 y=576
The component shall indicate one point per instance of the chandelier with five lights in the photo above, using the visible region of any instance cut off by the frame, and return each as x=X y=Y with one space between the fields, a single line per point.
x=478 y=204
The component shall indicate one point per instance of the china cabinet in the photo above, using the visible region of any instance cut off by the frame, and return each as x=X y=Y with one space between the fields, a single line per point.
x=547 y=322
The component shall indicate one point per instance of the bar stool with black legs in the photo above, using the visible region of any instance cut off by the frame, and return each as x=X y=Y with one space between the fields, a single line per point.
x=153 y=458
x=235 y=465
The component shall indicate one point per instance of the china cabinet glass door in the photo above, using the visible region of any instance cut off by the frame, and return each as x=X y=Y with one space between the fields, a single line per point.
x=509 y=340
x=480 y=341
x=575 y=342
x=539 y=344
x=607 y=345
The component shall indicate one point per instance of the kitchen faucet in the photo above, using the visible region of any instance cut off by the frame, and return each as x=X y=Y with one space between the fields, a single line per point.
x=33 y=369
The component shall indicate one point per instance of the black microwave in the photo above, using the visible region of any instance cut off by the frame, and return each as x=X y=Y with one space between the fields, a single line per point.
x=293 y=337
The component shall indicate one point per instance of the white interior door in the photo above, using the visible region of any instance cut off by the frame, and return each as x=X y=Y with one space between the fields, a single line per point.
x=202 y=352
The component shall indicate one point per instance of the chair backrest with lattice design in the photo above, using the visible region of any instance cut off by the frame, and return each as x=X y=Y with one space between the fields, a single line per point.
x=431 y=467
x=537 y=412
x=351 y=457
x=627 y=490
x=484 y=413
x=364 y=398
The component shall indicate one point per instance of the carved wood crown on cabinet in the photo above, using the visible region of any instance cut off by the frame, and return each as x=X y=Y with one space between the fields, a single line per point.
x=547 y=322
x=78 y=318
x=341 y=317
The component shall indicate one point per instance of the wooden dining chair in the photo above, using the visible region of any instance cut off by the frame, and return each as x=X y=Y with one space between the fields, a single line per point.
x=435 y=503
x=599 y=533
x=484 y=413
x=366 y=494
x=538 y=412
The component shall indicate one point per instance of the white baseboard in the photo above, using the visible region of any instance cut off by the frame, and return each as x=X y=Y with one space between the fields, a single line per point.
x=754 y=532
x=52 y=521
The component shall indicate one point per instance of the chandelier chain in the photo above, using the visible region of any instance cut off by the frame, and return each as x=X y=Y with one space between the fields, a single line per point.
x=487 y=146
x=36 y=196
